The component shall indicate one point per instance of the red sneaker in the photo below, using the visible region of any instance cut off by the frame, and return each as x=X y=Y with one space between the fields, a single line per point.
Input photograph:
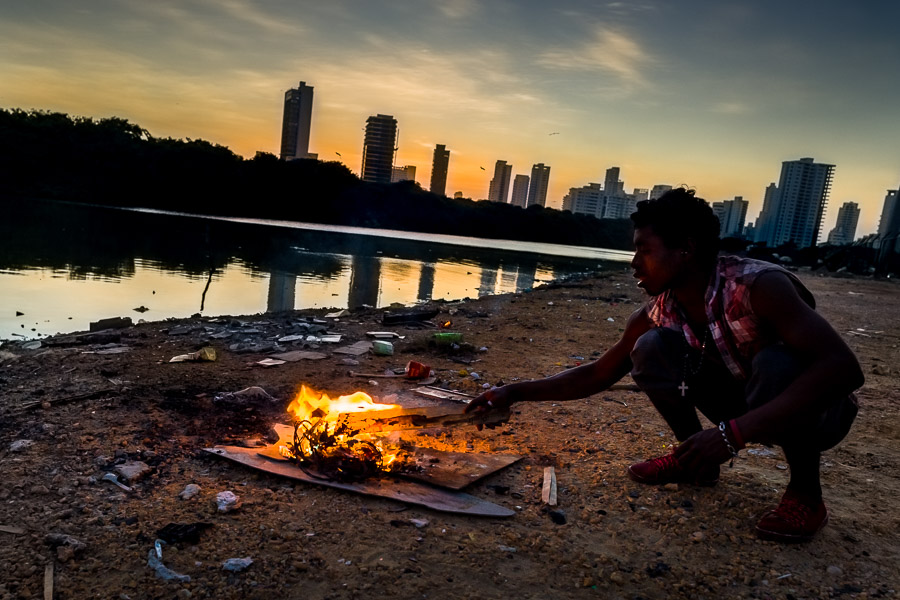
x=666 y=469
x=795 y=519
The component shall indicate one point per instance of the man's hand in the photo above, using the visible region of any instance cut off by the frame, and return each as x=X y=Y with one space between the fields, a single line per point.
x=494 y=399
x=703 y=450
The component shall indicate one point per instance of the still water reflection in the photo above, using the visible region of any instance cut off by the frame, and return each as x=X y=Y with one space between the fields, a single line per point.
x=65 y=265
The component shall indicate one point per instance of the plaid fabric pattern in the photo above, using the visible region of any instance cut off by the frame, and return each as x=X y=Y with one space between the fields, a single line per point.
x=735 y=329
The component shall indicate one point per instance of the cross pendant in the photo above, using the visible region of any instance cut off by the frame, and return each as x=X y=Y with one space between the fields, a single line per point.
x=683 y=387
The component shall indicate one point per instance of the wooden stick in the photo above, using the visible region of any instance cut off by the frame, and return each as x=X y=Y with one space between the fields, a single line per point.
x=48 y=582
x=548 y=493
x=417 y=418
x=87 y=396
x=11 y=529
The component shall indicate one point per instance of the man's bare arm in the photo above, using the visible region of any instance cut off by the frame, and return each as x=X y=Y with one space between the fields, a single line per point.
x=579 y=382
x=833 y=368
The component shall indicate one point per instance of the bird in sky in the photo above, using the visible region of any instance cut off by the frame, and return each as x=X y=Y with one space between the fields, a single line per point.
x=482 y=168
x=339 y=154
x=555 y=133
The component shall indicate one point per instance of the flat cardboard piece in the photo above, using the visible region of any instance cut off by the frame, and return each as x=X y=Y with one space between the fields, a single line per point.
x=295 y=355
x=357 y=349
x=412 y=492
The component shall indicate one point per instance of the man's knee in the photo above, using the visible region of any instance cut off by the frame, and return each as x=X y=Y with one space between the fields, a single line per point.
x=657 y=358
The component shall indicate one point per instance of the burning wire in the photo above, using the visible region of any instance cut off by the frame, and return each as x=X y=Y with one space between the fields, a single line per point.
x=317 y=450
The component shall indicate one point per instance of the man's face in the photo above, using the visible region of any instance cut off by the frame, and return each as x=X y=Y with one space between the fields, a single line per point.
x=656 y=266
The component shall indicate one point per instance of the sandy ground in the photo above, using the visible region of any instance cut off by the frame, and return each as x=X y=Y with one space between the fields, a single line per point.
x=620 y=539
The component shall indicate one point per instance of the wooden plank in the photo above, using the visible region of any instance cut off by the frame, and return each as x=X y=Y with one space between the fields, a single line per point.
x=411 y=492
x=454 y=470
x=48 y=582
x=442 y=394
x=425 y=417
x=548 y=493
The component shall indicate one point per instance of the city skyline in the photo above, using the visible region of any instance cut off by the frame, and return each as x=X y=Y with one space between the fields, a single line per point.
x=715 y=95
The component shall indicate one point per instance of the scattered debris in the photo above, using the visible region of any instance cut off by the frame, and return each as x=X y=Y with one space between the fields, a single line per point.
x=20 y=445
x=111 y=477
x=270 y=362
x=236 y=565
x=32 y=345
x=409 y=317
x=189 y=491
x=295 y=355
x=48 y=581
x=338 y=314
x=446 y=338
x=382 y=348
x=417 y=370
x=66 y=545
x=111 y=323
x=251 y=395
x=762 y=452
x=227 y=501
x=548 y=492
x=357 y=349
x=385 y=335
x=11 y=529
x=206 y=354
x=140 y=309
x=558 y=516
x=133 y=471
x=154 y=561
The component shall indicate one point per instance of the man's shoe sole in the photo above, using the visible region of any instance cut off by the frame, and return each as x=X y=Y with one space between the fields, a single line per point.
x=645 y=481
x=787 y=538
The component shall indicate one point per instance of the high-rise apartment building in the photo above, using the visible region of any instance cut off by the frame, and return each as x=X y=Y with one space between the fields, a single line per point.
x=731 y=214
x=658 y=190
x=587 y=200
x=296 y=122
x=520 y=191
x=613 y=187
x=844 y=231
x=499 y=187
x=641 y=194
x=405 y=173
x=887 y=212
x=379 y=146
x=439 y=167
x=801 y=200
x=766 y=219
x=537 y=188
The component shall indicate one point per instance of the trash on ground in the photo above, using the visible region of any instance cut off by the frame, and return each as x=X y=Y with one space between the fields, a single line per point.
x=189 y=491
x=357 y=349
x=417 y=370
x=409 y=317
x=270 y=362
x=548 y=491
x=227 y=501
x=111 y=323
x=113 y=479
x=384 y=335
x=762 y=452
x=113 y=349
x=20 y=445
x=251 y=395
x=446 y=338
x=236 y=565
x=338 y=314
x=154 y=561
x=12 y=530
x=382 y=348
x=207 y=354
x=295 y=355
x=32 y=345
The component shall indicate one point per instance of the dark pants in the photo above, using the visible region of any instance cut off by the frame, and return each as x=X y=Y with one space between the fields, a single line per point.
x=659 y=368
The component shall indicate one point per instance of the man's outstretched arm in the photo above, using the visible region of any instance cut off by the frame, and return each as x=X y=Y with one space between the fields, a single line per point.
x=579 y=382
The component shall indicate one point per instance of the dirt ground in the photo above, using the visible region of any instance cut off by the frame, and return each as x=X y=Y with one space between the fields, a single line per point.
x=86 y=414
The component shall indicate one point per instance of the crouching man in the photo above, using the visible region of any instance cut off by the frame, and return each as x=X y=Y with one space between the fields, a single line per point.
x=737 y=339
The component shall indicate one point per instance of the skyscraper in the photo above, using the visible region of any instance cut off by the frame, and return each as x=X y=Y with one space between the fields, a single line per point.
x=731 y=214
x=520 y=191
x=887 y=212
x=404 y=173
x=439 y=166
x=844 y=230
x=658 y=190
x=295 y=123
x=802 y=197
x=378 y=149
x=499 y=188
x=612 y=186
x=766 y=219
x=537 y=189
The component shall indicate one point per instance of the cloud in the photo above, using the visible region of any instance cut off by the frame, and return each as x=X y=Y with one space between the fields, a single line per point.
x=610 y=51
x=732 y=108
x=457 y=9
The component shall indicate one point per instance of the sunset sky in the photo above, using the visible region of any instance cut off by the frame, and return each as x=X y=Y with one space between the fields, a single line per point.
x=713 y=94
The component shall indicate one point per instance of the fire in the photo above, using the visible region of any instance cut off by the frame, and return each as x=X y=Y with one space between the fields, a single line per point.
x=310 y=405
x=325 y=443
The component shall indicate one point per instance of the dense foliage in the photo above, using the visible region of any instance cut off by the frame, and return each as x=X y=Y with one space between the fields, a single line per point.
x=114 y=162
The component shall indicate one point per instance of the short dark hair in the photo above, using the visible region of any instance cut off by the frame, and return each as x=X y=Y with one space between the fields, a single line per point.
x=678 y=216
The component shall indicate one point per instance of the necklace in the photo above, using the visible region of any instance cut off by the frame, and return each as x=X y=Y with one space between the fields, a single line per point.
x=690 y=370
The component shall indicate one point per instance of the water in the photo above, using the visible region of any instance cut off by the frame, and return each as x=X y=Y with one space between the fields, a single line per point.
x=65 y=265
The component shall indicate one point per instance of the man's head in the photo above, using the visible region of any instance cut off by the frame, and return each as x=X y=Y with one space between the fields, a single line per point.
x=682 y=221
x=675 y=234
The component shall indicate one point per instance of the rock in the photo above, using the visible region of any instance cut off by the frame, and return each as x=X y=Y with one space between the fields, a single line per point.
x=227 y=501
x=698 y=536
x=236 y=565
x=616 y=577
x=835 y=571
x=419 y=523
x=190 y=490
x=509 y=549
x=133 y=470
x=183 y=593
x=66 y=546
x=20 y=445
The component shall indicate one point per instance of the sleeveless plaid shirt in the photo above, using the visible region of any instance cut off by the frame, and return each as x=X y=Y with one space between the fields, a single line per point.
x=736 y=330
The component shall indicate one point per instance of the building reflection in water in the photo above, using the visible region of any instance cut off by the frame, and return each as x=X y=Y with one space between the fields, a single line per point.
x=426 y=282
x=282 y=292
x=365 y=276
